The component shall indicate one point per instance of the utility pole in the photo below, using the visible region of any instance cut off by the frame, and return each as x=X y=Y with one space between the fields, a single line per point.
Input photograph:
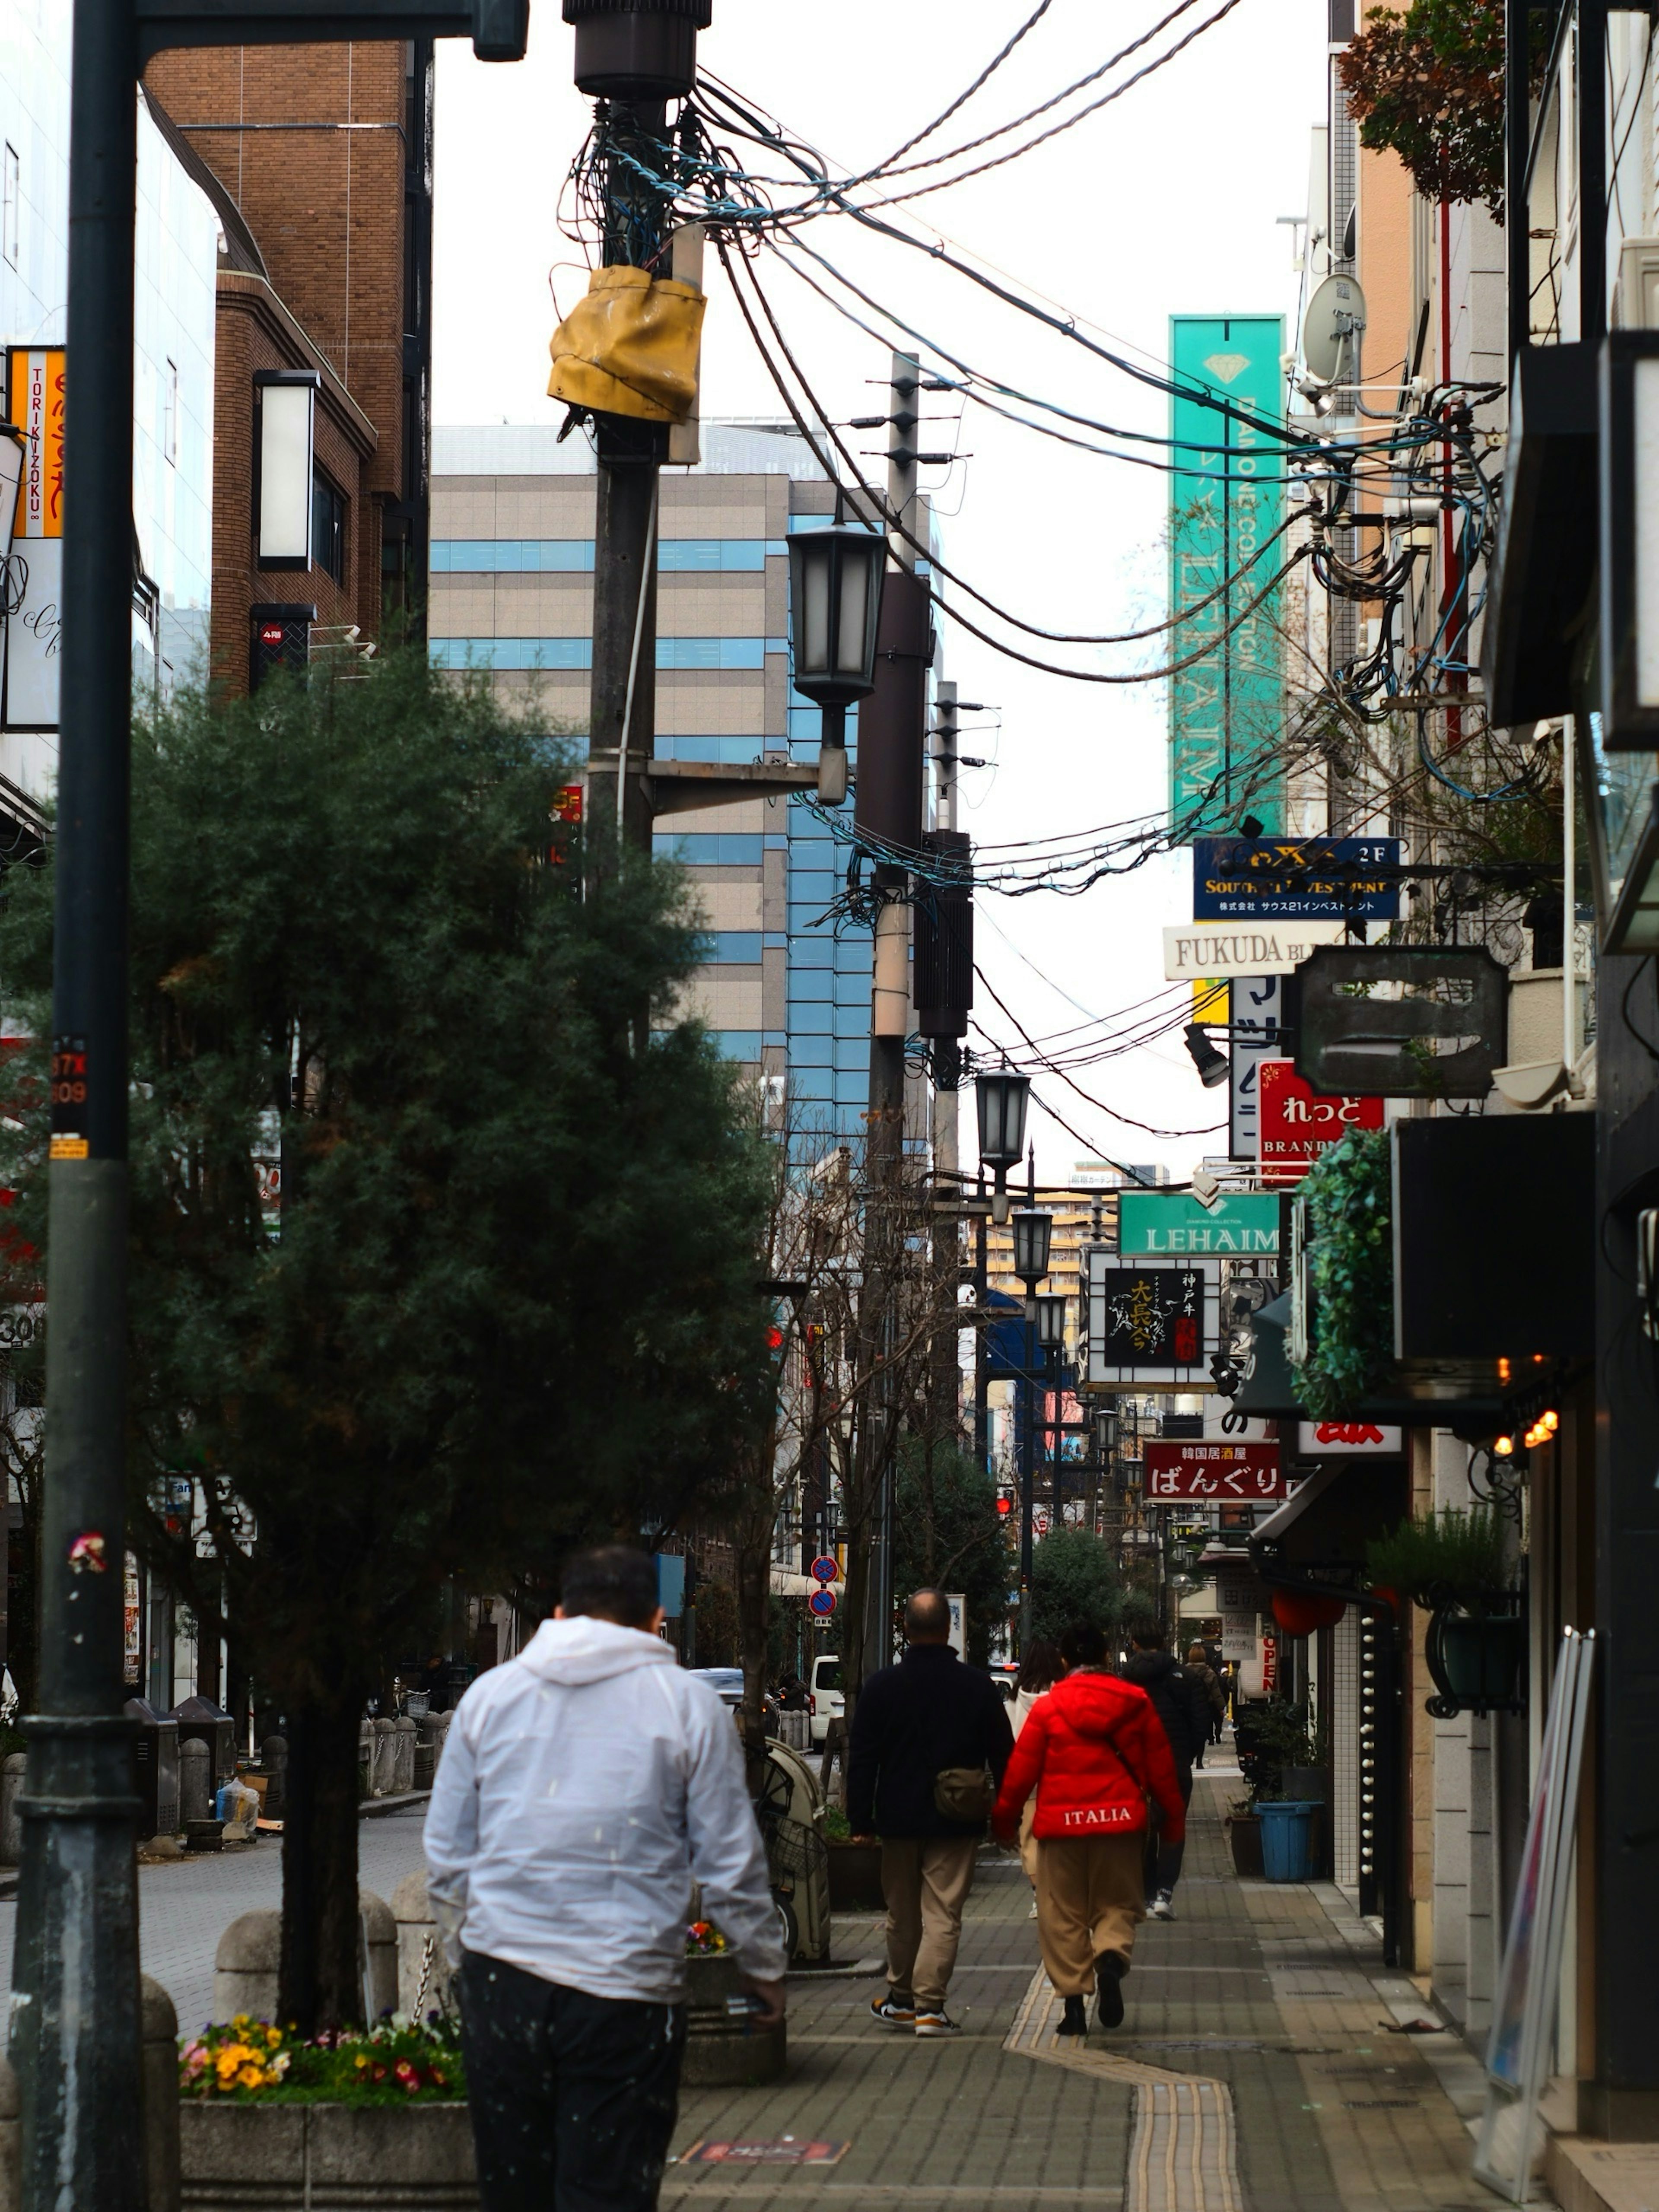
x=891 y=726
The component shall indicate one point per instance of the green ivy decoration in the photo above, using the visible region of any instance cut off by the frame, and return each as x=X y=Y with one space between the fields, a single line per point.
x=1349 y=1194
x=1455 y=1552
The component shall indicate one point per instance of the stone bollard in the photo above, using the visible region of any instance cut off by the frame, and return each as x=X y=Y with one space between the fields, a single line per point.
x=377 y=1954
x=385 y=1752
x=160 y=2091
x=245 y=1967
x=403 y=1764
x=195 y=1791
x=412 y=1911
x=426 y=1750
x=11 y=2142
x=11 y=1826
x=439 y=1739
x=273 y=1759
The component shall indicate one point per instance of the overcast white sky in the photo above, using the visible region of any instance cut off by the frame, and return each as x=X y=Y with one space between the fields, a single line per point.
x=1164 y=203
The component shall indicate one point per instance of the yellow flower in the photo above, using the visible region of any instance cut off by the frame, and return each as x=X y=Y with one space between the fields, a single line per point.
x=273 y=2036
x=360 y=2060
x=250 y=2077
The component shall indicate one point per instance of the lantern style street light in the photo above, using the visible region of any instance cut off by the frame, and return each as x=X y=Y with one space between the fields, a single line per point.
x=1034 y=1232
x=1000 y=1099
x=1051 y=1322
x=1105 y=1433
x=834 y=604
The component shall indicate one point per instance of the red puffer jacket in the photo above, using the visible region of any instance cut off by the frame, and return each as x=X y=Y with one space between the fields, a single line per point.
x=1095 y=1750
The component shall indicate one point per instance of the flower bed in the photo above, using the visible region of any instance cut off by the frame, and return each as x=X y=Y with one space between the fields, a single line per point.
x=253 y=2062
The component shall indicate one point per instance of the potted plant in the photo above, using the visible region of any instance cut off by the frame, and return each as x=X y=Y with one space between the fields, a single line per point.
x=855 y=1866
x=1455 y=1564
x=1244 y=1837
x=1348 y=1193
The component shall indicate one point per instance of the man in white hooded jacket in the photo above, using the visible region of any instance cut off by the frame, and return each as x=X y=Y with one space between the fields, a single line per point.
x=584 y=1787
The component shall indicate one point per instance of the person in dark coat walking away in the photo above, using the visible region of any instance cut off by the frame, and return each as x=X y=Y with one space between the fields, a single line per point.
x=1094 y=1752
x=1200 y=1672
x=924 y=1732
x=1184 y=1711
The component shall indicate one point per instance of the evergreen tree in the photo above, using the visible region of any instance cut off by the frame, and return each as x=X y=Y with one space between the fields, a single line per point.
x=507 y=1303
x=947 y=1535
x=1075 y=1581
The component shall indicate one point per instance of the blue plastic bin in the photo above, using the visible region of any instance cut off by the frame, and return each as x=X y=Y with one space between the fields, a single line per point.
x=1287 y=1839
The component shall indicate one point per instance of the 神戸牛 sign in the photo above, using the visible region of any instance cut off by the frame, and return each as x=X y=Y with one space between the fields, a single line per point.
x=1155 y=1323
x=1296 y=1123
x=1235 y=1224
x=1187 y=1469
x=1282 y=878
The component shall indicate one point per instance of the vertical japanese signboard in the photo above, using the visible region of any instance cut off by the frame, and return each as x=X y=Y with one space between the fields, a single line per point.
x=1226 y=499
x=28 y=677
x=1258 y=1005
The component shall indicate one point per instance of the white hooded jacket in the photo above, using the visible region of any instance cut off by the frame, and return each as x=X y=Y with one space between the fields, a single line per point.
x=584 y=1787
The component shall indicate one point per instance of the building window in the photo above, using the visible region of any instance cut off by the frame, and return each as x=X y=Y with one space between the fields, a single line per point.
x=170 y=414
x=328 y=512
x=11 y=195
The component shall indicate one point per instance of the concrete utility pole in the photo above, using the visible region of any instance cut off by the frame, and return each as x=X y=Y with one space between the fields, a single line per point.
x=892 y=723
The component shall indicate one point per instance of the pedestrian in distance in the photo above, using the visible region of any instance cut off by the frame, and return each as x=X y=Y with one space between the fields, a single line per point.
x=1093 y=1752
x=1200 y=1671
x=1040 y=1668
x=585 y=1787
x=1185 y=1713
x=925 y=1733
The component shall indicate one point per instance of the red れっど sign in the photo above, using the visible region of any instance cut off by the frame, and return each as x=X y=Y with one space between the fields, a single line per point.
x=1297 y=1123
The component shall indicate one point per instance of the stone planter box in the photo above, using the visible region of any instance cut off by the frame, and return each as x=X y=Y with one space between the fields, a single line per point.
x=721 y=2052
x=855 y=1878
x=323 y=2158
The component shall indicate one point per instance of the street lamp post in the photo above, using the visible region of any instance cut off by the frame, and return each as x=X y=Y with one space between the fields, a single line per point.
x=1000 y=1101
x=1033 y=1233
x=835 y=604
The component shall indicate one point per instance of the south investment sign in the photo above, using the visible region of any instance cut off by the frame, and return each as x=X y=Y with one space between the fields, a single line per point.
x=1226 y=1472
x=1282 y=878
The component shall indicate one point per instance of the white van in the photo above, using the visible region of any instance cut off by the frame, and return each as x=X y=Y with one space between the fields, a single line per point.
x=827 y=1703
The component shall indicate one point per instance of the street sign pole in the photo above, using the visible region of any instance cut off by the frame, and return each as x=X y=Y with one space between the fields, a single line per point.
x=74 y=2003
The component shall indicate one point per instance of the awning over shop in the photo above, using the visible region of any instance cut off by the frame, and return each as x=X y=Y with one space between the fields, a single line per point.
x=1324 y=1529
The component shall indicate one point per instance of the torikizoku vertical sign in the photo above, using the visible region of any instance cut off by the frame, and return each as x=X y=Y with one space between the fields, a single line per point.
x=1226 y=499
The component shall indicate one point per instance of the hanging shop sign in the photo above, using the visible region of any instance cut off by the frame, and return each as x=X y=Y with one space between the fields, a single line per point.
x=1226 y=500
x=1195 y=950
x=1296 y=878
x=34 y=584
x=1297 y=1124
x=1235 y=1223
x=1183 y=1468
x=1401 y=1021
x=1349 y=1439
x=1256 y=1005
x=1155 y=1323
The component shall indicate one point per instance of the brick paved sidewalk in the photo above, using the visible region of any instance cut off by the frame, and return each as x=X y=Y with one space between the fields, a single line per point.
x=1255 y=2072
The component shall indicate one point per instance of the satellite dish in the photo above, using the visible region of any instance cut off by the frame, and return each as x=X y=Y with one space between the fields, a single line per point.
x=1331 y=327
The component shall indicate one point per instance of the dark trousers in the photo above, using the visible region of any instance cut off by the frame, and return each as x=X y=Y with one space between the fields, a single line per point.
x=574 y=2098
x=1164 y=1860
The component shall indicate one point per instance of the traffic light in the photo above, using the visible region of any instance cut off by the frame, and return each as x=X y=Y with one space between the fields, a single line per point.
x=1005 y=1504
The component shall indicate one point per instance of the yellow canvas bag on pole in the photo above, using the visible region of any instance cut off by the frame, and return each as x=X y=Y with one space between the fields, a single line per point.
x=630 y=347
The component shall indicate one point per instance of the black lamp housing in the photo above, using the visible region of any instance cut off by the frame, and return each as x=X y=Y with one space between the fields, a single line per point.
x=1212 y=1067
x=834 y=604
x=1034 y=1231
x=637 y=50
x=1051 y=1321
x=1001 y=1100
x=1105 y=1431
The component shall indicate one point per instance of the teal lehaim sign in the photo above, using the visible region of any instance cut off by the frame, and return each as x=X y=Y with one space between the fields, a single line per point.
x=1226 y=499
x=1237 y=1226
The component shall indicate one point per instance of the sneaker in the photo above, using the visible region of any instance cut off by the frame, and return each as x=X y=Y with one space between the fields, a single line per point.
x=1161 y=1906
x=1075 y=2020
x=1032 y=1914
x=893 y=2011
x=1110 y=1970
x=936 y=2023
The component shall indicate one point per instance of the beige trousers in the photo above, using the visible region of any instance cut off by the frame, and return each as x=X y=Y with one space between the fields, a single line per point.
x=1090 y=1897
x=925 y=1881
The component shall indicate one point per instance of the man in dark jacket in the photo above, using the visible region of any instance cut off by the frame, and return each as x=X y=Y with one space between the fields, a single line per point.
x=913 y=1723
x=1177 y=1700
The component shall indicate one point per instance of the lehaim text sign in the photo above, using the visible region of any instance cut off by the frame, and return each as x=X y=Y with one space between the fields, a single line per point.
x=1234 y=1225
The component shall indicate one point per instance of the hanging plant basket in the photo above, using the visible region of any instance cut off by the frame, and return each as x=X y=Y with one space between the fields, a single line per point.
x=1476 y=1653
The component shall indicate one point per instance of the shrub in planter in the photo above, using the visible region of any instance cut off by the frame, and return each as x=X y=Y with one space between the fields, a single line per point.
x=254 y=2061
x=1452 y=1556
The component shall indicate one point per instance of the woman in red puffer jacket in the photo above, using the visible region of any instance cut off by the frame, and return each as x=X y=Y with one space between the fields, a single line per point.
x=1094 y=1750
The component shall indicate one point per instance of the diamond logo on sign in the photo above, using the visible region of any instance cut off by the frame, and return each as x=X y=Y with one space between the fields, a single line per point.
x=1226 y=366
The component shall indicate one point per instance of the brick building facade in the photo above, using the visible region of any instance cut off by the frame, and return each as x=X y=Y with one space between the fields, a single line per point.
x=318 y=159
